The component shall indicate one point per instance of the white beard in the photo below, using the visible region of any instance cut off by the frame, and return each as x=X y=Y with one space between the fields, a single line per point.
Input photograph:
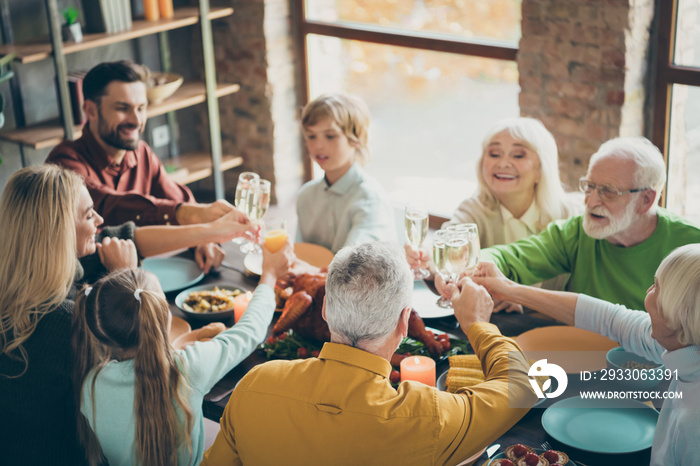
x=615 y=224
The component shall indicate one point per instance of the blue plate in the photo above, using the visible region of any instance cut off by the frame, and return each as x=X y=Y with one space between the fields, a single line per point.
x=539 y=451
x=174 y=273
x=601 y=426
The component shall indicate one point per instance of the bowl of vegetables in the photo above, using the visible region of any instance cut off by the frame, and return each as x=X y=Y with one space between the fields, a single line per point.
x=208 y=303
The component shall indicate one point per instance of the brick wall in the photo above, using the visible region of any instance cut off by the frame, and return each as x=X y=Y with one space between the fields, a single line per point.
x=583 y=68
x=254 y=48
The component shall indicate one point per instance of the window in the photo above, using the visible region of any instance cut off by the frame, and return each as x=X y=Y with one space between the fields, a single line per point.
x=436 y=75
x=676 y=117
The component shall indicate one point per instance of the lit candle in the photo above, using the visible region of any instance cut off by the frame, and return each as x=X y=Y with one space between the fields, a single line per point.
x=418 y=368
x=240 y=304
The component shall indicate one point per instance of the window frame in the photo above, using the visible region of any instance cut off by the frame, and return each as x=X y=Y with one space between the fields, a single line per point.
x=668 y=74
x=430 y=41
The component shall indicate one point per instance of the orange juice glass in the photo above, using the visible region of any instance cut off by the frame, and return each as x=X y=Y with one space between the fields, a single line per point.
x=275 y=239
x=274 y=235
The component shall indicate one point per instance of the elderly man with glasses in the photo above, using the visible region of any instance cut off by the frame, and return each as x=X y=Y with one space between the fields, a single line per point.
x=613 y=249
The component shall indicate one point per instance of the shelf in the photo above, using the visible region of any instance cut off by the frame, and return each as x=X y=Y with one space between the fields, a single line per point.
x=196 y=166
x=49 y=134
x=37 y=51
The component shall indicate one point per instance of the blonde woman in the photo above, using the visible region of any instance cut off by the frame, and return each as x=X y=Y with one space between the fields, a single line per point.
x=346 y=206
x=48 y=224
x=141 y=399
x=668 y=333
x=519 y=187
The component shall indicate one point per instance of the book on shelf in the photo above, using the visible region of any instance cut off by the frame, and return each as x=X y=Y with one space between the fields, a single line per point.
x=107 y=15
x=75 y=88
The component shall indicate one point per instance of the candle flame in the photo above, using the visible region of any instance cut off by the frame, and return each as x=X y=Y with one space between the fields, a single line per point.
x=416 y=360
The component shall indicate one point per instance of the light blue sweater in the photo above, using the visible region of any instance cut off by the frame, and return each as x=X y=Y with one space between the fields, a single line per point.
x=203 y=363
x=678 y=430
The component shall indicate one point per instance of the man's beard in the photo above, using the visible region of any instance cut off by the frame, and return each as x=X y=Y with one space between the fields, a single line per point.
x=615 y=224
x=113 y=138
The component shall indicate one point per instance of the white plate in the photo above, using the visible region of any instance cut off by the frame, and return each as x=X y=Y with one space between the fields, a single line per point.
x=174 y=273
x=425 y=302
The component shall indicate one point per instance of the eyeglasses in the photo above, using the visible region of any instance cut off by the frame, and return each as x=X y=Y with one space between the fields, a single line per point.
x=605 y=191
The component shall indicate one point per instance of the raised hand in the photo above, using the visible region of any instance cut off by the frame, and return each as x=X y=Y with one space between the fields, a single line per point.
x=187 y=214
x=490 y=277
x=472 y=303
x=209 y=256
x=117 y=253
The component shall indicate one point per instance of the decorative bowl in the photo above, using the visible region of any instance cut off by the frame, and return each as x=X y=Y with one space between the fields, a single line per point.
x=161 y=86
x=643 y=375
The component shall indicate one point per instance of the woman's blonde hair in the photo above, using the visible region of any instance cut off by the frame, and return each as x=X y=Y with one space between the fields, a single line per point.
x=549 y=192
x=38 y=249
x=350 y=113
x=678 y=302
x=110 y=322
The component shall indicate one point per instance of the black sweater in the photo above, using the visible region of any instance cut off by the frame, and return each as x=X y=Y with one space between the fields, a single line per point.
x=38 y=414
x=37 y=410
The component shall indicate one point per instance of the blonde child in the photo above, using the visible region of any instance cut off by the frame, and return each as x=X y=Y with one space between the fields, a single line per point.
x=346 y=206
x=141 y=401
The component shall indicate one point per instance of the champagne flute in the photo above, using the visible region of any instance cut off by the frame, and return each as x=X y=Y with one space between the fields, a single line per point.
x=456 y=252
x=416 y=222
x=245 y=194
x=260 y=204
x=439 y=241
x=471 y=232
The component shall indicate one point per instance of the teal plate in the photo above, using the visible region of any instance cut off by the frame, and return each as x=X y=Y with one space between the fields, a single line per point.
x=539 y=451
x=174 y=273
x=601 y=426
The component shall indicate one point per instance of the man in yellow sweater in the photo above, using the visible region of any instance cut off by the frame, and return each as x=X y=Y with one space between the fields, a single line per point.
x=340 y=408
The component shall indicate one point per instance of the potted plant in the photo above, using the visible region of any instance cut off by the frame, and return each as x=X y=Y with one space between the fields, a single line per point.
x=71 y=30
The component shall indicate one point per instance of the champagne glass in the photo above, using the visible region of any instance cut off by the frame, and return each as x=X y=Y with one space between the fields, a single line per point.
x=416 y=222
x=245 y=195
x=275 y=234
x=462 y=249
x=260 y=204
x=439 y=241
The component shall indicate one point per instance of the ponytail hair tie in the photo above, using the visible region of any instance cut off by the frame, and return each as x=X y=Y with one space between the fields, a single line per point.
x=87 y=291
x=137 y=294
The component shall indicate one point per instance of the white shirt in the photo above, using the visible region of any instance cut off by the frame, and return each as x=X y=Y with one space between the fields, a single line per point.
x=355 y=209
x=518 y=228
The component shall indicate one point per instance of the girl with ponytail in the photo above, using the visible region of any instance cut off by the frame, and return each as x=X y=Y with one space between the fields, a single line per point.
x=141 y=400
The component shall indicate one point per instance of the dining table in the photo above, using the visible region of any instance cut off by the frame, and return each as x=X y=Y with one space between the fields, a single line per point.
x=528 y=431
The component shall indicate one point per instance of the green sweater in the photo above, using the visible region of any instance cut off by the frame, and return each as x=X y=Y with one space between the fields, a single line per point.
x=598 y=268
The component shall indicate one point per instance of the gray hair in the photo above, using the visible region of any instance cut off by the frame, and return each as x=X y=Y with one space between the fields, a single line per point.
x=679 y=292
x=368 y=286
x=549 y=193
x=651 y=169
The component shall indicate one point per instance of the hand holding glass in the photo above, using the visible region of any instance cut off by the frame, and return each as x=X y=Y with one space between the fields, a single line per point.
x=439 y=241
x=416 y=223
x=245 y=197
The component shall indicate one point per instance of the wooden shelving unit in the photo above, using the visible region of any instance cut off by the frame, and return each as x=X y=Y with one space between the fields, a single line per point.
x=195 y=166
x=188 y=167
x=48 y=134
x=41 y=50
